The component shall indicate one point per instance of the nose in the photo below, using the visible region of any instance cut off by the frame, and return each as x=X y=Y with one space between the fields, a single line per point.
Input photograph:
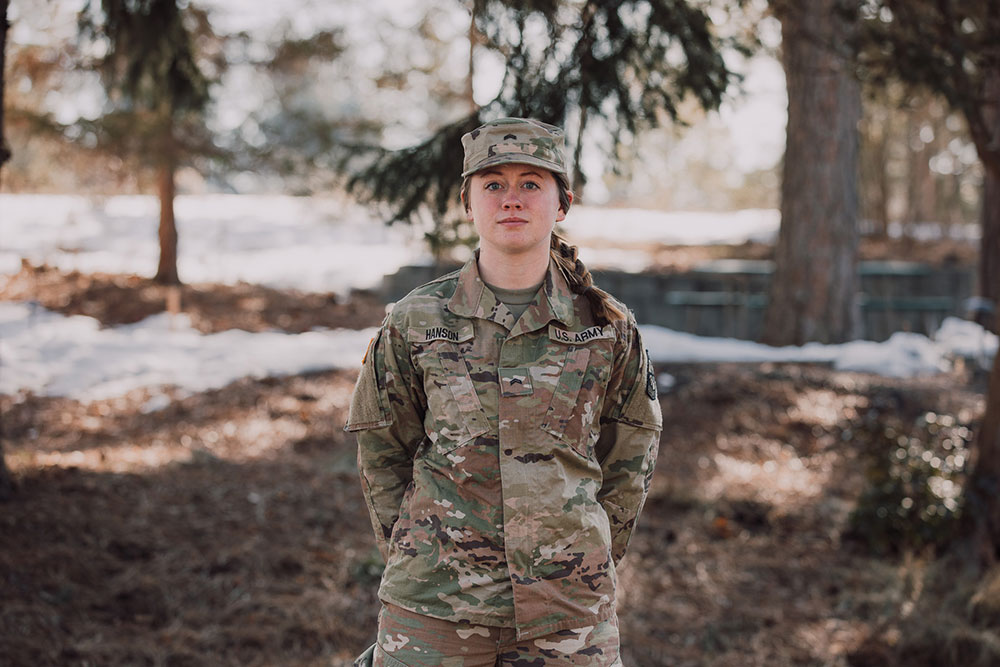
x=511 y=200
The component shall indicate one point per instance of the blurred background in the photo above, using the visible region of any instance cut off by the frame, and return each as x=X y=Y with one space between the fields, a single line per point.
x=207 y=206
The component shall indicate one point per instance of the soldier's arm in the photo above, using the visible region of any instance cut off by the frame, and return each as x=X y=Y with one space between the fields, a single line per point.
x=387 y=412
x=629 y=441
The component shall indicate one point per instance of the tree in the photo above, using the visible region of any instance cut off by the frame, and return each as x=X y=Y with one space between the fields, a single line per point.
x=952 y=48
x=6 y=485
x=611 y=68
x=295 y=132
x=4 y=25
x=813 y=291
x=470 y=96
x=908 y=137
x=39 y=74
x=157 y=93
x=981 y=506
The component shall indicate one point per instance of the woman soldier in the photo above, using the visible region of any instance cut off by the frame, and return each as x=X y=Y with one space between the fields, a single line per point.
x=507 y=428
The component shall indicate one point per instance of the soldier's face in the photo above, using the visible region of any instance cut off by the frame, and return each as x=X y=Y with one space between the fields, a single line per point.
x=514 y=207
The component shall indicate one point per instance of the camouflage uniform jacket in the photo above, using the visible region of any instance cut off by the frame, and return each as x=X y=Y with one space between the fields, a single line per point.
x=504 y=463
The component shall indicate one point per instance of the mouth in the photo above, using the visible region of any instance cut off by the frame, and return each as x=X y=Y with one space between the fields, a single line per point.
x=513 y=221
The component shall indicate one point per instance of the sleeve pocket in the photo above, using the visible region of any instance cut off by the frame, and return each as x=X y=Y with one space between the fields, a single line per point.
x=642 y=407
x=370 y=402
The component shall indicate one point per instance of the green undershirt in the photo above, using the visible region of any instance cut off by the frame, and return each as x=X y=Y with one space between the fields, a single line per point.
x=516 y=300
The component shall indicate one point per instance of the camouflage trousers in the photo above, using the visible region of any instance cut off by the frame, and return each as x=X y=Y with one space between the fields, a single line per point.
x=406 y=639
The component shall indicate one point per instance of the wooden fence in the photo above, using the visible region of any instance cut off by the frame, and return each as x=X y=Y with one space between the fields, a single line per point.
x=727 y=297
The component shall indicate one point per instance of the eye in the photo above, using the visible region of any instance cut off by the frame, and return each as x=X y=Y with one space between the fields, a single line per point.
x=492 y=186
x=531 y=185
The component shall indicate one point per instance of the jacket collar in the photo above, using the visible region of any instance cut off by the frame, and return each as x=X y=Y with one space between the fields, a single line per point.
x=472 y=298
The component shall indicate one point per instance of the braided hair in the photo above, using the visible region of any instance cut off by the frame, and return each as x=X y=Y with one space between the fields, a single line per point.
x=581 y=282
x=575 y=271
x=565 y=256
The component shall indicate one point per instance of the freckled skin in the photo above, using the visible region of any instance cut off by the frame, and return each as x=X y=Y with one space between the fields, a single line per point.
x=514 y=208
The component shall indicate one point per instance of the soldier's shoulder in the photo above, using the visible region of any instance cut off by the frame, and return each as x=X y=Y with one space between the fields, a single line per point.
x=424 y=301
x=626 y=325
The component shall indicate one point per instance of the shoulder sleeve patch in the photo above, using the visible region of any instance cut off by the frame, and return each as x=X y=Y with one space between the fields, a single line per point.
x=650 y=379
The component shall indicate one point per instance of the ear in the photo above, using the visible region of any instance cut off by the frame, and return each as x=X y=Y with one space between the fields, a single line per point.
x=561 y=215
x=465 y=205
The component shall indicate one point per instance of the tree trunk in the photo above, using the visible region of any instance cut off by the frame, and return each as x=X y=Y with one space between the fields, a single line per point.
x=982 y=491
x=873 y=152
x=921 y=188
x=884 y=190
x=579 y=178
x=470 y=89
x=813 y=293
x=4 y=151
x=166 y=272
x=989 y=251
x=6 y=484
x=985 y=128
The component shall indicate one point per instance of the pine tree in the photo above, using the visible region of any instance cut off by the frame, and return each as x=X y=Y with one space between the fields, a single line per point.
x=297 y=134
x=621 y=66
x=158 y=91
x=812 y=296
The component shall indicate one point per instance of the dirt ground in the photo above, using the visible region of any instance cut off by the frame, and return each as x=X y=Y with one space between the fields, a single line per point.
x=123 y=299
x=228 y=528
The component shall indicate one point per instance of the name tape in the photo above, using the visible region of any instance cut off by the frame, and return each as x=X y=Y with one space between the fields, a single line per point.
x=592 y=333
x=441 y=333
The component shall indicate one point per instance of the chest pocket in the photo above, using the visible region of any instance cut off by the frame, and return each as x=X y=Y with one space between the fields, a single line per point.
x=454 y=413
x=578 y=390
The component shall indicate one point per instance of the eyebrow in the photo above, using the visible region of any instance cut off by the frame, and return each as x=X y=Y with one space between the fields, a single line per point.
x=496 y=172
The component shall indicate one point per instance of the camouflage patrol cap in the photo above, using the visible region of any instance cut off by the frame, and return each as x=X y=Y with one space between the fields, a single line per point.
x=514 y=140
